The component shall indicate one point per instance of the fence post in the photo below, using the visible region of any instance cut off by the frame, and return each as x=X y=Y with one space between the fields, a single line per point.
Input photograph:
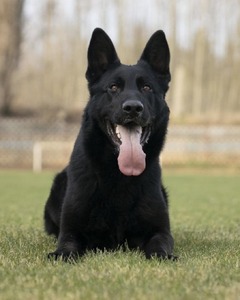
x=37 y=157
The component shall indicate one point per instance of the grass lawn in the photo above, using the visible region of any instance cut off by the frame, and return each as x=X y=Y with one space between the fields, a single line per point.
x=205 y=217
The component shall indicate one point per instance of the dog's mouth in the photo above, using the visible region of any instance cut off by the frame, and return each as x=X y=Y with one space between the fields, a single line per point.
x=129 y=141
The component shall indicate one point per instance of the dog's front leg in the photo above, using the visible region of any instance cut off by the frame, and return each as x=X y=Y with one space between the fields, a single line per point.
x=158 y=241
x=71 y=242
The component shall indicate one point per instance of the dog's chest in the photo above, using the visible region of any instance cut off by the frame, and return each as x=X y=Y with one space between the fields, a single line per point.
x=110 y=217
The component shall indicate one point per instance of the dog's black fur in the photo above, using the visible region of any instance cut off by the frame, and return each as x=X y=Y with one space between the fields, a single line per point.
x=110 y=194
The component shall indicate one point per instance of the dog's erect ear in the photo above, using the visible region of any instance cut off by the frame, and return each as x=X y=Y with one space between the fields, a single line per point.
x=157 y=54
x=101 y=54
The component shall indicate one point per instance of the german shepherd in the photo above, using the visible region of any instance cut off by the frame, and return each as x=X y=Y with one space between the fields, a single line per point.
x=111 y=193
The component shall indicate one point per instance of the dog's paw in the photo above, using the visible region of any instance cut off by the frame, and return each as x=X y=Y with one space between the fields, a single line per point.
x=63 y=256
x=162 y=255
x=172 y=257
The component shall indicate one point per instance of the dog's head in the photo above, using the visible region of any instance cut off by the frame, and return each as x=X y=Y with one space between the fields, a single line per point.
x=129 y=101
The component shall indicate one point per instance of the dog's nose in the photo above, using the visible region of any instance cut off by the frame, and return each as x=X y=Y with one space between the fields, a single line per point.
x=132 y=108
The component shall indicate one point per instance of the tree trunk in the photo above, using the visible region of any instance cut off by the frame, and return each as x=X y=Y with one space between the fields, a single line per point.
x=11 y=36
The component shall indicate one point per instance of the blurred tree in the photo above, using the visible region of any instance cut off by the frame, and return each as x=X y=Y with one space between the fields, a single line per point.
x=11 y=37
x=203 y=35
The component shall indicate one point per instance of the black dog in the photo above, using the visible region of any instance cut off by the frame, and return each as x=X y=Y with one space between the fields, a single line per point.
x=111 y=193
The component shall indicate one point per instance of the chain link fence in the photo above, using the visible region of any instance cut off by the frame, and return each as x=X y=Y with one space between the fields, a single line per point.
x=36 y=144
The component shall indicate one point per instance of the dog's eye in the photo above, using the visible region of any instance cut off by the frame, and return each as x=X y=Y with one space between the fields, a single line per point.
x=113 y=87
x=146 y=88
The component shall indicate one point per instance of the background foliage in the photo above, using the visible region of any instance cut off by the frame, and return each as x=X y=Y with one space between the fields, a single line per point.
x=50 y=39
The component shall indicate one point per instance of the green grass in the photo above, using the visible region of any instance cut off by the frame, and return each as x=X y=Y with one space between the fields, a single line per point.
x=205 y=217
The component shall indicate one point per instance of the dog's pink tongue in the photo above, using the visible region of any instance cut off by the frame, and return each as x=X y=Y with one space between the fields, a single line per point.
x=131 y=159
